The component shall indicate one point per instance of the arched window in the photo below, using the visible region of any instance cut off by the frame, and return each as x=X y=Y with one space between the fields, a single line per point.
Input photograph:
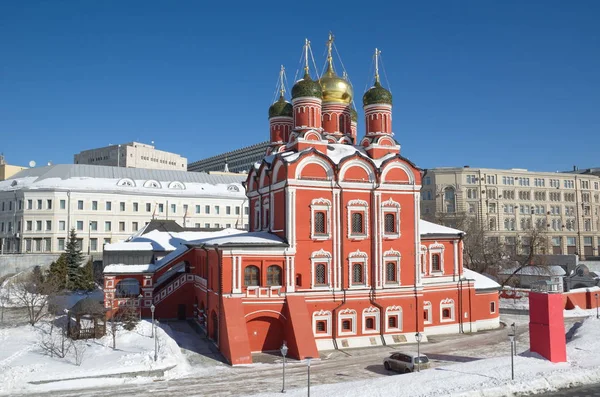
x=390 y=223
x=273 y=275
x=128 y=288
x=320 y=222
x=435 y=263
x=251 y=276
x=449 y=200
x=357 y=273
x=390 y=272
x=446 y=313
x=392 y=322
x=369 y=323
x=357 y=223
x=347 y=325
x=320 y=274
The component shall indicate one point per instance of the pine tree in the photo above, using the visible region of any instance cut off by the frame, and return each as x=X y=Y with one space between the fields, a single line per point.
x=87 y=276
x=57 y=274
x=74 y=258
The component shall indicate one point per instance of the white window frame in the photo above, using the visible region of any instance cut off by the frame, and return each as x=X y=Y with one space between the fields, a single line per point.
x=493 y=307
x=257 y=217
x=424 y=267
x=266 y=215
x=395 y=257
x=320 y=205
x=447 y=304
x=393 y=311
x=358 y=257
x=427 y=308
x=390 y=207
x=371 y=312
x=320 y=257
x=436 y=248
x=347 y=314
x=362 y=207
x=322 y=315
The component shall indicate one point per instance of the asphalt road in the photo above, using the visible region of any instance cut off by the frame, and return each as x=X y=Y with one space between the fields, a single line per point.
x=583 y=391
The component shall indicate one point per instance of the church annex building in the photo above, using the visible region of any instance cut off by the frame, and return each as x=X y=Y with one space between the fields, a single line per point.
x=336 y=256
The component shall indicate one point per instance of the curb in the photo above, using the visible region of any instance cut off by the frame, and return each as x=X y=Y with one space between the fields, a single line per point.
x=154 y=372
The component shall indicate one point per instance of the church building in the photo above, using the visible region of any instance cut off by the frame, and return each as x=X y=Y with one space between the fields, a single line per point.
x=336 y=255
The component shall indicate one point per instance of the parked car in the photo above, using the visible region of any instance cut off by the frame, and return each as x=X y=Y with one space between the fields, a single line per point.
x=405 y=362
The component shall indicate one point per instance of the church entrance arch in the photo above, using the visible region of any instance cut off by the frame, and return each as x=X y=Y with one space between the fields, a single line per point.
x=265 y=333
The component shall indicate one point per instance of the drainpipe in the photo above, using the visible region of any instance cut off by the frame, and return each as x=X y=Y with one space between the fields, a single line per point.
x=376 y=233
x=340 y=232
x=220 y=292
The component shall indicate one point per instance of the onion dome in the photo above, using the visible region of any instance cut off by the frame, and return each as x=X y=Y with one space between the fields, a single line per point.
x=377 y=94
x=353 y=115
x=307 y=87
x=335 y=88
x=281 y=108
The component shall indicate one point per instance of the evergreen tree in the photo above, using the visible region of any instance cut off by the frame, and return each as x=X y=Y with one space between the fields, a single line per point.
x=57 y=274
x=87 y=276
x=74 y=258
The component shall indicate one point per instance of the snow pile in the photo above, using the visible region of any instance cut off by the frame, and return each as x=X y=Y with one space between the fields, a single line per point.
x=488 y=377
x=22 y=360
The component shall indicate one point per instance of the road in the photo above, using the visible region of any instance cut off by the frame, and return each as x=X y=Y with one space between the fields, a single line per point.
x=583 y=391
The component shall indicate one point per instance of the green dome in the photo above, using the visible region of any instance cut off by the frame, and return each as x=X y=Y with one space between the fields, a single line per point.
x=353 y=114
x=377 y=94
x=307 y=87
x=281 y=108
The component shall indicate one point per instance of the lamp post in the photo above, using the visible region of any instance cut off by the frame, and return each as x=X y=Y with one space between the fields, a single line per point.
x=513 y=327
x=512 y=357
x=597 y=313
x=308 y=368
x=155 y=341
x=140 y=296
x=152 y=308
x=418 y=337
x=284 y=350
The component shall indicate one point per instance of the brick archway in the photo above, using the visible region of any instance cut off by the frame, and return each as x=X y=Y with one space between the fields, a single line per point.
x=265 y=332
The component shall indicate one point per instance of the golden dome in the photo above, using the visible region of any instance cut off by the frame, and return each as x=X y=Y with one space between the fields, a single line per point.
x=335 y=89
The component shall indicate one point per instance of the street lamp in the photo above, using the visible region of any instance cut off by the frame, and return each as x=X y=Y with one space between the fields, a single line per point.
x=284 y=350
x=155 y=340
x=140 y=296
x=152 y=308
x=308 y=368
x=512 y=357
x=418 y=337
x=513 y=327
x=597 y=313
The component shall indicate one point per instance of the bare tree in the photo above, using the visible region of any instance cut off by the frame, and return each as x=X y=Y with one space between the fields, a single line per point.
x=33 y=292
x=55 y=342
x=78 y=347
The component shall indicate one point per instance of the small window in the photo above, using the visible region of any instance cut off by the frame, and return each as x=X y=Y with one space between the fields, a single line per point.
x=357 y=223
x=320 y=274
x=492 y=307
x=347 y=325
x=321 y=326
x=392 y=322
x=273 y=275
x=390 y=223
x=369 y=323
x=446 y=313
x=390 y=272
x=357 y=273
x=435 y=263
x=320 y=222
x=251 y=276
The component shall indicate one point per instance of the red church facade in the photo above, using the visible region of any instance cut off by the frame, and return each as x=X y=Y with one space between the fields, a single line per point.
x=336 y=256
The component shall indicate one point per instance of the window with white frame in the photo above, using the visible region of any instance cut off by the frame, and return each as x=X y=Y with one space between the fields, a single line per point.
x=347 y=322
x=393 y=319
x=322 y=323
x=320 y=219
x=358 y=222
x=321 y=269
x=447 y=310
x=391 y=263
x=370 y=320
x=266 y=213
x=358 y=269
x=427 y=315
x=424 y=259
x=436 y=258
x=492 y=307
x=390 y=214
x=257 y=215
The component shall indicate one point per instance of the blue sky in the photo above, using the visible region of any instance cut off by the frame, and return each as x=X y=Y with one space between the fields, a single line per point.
x=482 y=83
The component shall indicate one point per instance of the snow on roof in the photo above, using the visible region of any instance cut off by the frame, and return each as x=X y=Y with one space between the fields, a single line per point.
x=426 y=227
x=538 y=270
x=242 y=238
x=170 y=241
x=121 y=268
x=170 y=256
x=481 y=281
x=83 y=177
x=129 y=246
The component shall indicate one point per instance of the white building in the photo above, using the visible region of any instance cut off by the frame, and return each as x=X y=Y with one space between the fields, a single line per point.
x=132 y=155
x=39 y=206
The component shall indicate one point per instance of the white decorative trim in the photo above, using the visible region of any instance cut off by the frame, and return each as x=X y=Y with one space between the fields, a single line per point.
x=403 y=167
x=347 y=314
x=314 y=160
x=362 y=207
x=447 y=304
x=357 y=163
x=126 y=182
x=358 y=202
x=267 y=219
x=390 y=207
x=358 y=254
x=354 y=258
x=370 y=312
x=394 y=257
x=257 y=222
x=423 y=253
x=316 y=258
x=151 y=183
x=391 y=311
x=320 y=205
x=427 y=308
x=436 y=248
x=322 y=315
x=176 y=185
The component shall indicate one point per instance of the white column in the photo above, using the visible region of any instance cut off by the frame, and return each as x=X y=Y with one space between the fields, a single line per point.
x=417 y=198
x=456 y=272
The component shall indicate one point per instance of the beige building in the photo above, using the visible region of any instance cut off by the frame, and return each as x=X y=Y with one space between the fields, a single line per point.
x=132 y=155
x=7 y=170
x=38 y=206
x=507 y=203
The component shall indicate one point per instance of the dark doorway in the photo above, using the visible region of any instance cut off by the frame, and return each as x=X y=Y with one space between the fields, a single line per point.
x=181 y=312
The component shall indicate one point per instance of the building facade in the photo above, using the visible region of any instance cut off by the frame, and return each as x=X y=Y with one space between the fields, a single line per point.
x=507 y=203
x=7 y=170
x=39 y=206
x=239 y=160
x=132 y=155
x=336 y=255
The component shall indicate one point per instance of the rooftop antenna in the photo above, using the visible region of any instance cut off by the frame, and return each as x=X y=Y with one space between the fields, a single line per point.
x=32 y=163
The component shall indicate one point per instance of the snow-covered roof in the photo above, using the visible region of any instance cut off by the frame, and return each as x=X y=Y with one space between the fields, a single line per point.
x=83 y=177
x=121 y=268
x=481 y=281
x=128 y=246
x=242 y=239
x=538 y=270
x=426 y=228
x=170 y=241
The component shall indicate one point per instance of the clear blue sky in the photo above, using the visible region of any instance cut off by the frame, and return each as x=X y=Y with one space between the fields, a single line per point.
x=485 y=83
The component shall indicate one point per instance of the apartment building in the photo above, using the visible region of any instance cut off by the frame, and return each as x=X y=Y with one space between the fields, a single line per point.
x=132 y=155
x=239 y=160
x=39 y=206
x=509 y=202
x=7 y=170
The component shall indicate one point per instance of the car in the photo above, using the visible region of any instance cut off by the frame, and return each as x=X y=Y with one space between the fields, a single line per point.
x=405 y=362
